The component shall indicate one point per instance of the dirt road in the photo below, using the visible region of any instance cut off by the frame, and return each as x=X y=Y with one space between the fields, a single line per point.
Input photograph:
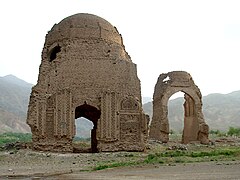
x=204 y=170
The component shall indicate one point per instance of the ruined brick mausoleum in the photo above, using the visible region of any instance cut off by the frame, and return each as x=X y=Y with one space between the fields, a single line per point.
x=195 y=128
x=86 y=72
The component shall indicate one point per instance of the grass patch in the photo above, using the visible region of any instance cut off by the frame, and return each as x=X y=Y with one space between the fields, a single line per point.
x=14 y=137
x=178 y=156
x=82 y=144
x=75 y=139
x=115 y=164
x=217 y=152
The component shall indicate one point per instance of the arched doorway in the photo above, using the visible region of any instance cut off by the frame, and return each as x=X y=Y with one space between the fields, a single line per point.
x=190 y=122
x=82 y=139
x=93 y=114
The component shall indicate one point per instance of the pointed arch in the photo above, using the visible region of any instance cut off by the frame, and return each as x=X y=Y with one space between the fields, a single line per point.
x=93 y=114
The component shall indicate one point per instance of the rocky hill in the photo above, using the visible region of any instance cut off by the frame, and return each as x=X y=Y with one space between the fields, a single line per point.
x=220 y=110
x=14 y=97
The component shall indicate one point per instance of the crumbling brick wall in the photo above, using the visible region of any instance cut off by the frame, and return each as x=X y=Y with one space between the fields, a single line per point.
x=85 y=71
x=195 y=128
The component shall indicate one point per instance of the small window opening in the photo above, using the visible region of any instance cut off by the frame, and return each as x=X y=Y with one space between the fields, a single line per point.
x=166 y=79
x=54 y=52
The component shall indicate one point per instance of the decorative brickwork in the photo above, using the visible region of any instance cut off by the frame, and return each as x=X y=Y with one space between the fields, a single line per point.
x=86 y=72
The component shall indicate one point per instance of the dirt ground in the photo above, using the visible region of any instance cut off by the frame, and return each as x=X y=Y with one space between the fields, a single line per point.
x=204 y=170
x=28 y=164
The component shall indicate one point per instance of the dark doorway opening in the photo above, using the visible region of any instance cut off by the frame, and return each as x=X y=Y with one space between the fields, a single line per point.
x=93 y=114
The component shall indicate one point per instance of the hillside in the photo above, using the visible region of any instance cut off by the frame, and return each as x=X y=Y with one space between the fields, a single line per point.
x=14 y=97
x=220 y=111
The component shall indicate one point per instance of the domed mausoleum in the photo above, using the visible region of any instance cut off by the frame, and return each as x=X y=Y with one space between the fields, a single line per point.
x=86 y=72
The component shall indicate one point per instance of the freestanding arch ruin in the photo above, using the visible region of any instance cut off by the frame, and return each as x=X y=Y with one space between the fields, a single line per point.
x=86 y=72
x=195 y=128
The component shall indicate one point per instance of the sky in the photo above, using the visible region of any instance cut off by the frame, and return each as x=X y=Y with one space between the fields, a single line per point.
x=201 y=37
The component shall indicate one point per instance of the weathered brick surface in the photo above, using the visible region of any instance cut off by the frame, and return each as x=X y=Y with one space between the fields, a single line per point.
x=195 y=128
x=85 y=71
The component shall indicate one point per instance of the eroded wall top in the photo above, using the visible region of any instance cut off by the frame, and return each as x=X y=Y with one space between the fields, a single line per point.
x=83 y=26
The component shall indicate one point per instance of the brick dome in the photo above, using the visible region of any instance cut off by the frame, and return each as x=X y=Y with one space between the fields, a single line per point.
x=84 y=25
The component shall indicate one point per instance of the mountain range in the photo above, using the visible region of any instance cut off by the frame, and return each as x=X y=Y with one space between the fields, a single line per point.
x=14 y=97
x=220 y=110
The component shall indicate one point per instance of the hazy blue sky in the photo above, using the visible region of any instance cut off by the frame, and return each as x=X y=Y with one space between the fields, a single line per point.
x=201 y=37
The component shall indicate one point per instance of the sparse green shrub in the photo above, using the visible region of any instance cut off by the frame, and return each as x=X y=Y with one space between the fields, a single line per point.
x=172 y=132
x=100 y=167
x=180 y=156
x=176 y=153
x=217 y=133
x=81 y=139
x=218 y=152
x=15 y=137
x=116 y=164
x=151 y=158
x=233 y=131
x=179 y=160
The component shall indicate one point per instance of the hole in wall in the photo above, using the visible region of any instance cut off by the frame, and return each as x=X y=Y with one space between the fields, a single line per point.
x=166 y=79
x=53 y=53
